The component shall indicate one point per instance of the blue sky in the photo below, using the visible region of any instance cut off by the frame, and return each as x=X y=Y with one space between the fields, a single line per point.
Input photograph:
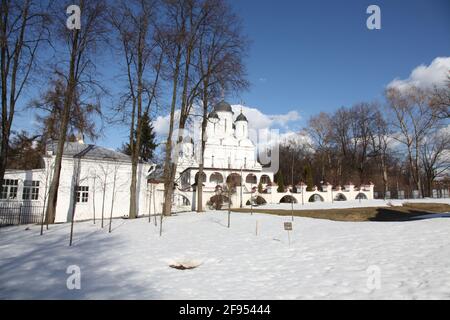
x=312 y=56
x=318 y=55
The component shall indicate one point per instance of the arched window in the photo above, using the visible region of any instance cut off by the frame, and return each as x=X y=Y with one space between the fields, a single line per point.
x=234 y=180
x=288 y=199
x=251 y=178
x=203 y=179
x=216 y=178
x=361 y=196
x=316 y=198
x=265 y=179
x=340 y=197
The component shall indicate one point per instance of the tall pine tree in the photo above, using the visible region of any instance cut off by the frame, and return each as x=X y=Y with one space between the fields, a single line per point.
x=148 y=140
x=307 y=171
x=280 y=181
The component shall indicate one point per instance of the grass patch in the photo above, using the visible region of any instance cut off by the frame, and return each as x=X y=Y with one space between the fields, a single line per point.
x=405 y=213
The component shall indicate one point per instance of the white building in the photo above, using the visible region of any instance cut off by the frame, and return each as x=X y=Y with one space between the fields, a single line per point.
x=93 y=179
x=96 y=181
x=231 y=156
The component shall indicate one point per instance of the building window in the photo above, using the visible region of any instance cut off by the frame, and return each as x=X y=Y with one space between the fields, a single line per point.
x=30 y=190
x=9 y=189
x=82 y=194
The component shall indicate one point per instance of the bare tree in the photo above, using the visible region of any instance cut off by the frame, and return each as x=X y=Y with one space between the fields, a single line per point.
x=135 y=23
x=440 y=100
x=320 y=131
x=206 y=48
x=363 y=115
x=412 y=120
x=185 y=20
x=435 y=152
x=22 y=33
x=78 y=45
x=381 y=138
x=219 y=66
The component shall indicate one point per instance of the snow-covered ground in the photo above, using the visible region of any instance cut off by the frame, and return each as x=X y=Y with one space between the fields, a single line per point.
x=326 y=259
x=348 y=204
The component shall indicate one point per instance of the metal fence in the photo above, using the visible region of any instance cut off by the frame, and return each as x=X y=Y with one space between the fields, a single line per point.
x=411 y=194
x=16 y=213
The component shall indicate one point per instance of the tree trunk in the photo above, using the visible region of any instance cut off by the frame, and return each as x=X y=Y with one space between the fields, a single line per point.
x=6 y=64
x=68 y=99
x=136 y=146
x=167 y=205
x=202 y=151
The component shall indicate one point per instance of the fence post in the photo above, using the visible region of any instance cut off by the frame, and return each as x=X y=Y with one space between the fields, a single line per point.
x=20 y=213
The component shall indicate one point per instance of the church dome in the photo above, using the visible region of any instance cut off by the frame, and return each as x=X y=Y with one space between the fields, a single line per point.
x=223 y=106
x=241 y=117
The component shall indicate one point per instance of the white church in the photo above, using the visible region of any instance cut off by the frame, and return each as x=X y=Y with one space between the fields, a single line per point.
x=230 y=156
x=95 y=181
x=229 y=153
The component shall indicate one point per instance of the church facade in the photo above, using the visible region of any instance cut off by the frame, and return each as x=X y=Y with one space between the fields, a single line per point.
x=230 y=156
x=230 y=159
x=95 y=181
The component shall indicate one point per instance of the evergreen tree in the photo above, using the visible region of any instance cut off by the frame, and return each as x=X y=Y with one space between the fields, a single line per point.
x=280 y=181
x=260 y=187
x=148 y=143
x=307 y=171
x=25 y=152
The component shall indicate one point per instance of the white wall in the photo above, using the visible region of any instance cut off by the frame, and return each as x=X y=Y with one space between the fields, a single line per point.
x=98 y=175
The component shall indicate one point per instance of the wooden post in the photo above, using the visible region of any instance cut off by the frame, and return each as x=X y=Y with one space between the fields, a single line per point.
x=150 y=205
x=289 y=237
x=292 y=208
x=154 y=205
x=93 y=198
x=251 y=198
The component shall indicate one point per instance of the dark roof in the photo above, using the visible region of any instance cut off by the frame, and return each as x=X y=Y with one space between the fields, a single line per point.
x=241 y=117
x=214 y=115
x=88 y=151
x=223 y=106
x=157 y=175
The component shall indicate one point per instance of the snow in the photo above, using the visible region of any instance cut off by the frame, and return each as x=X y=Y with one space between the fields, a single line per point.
x=326 y=259
x=348 y=204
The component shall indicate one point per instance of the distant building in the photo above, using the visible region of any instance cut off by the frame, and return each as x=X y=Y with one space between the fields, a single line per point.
x=229 y=154
x=89 y=174
x=96 y=180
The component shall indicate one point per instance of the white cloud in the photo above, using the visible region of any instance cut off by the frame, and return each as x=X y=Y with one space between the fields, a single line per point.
x=257 y=120
x=161 y=124
x=436 y=74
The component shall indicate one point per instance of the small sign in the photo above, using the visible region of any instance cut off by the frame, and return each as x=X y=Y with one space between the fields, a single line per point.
x=288 y=226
